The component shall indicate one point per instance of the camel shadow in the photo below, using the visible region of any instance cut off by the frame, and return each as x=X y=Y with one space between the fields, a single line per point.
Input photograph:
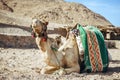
x=114 y=69
x=115 y=61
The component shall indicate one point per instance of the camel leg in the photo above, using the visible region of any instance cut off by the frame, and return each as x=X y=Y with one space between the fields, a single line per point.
x=63 y=71
x=73 y=69
x=49 y=70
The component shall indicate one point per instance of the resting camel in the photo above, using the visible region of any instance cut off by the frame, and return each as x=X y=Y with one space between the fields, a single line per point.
x=62 y=62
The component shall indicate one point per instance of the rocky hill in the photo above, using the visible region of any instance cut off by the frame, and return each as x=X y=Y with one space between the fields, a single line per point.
x=56 y=11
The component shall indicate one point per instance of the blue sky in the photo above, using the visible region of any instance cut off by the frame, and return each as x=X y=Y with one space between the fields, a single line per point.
x=110 y=9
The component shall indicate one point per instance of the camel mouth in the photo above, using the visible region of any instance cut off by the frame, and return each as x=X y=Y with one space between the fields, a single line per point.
x=33 y=34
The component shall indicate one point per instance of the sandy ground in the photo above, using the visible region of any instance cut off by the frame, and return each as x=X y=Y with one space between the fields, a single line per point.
x=25 y=64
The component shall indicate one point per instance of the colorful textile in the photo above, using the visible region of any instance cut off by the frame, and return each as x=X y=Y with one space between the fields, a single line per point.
x=95 y=51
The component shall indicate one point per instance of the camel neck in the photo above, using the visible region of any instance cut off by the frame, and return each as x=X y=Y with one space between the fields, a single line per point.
x=43 y=44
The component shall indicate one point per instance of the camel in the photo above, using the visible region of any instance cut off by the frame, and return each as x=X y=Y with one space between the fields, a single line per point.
x=57 y=61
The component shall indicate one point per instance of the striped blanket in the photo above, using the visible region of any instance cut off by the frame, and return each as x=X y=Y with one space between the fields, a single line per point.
x=95 y=51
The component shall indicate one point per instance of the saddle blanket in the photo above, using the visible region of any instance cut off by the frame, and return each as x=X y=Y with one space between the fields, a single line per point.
x=95 y=51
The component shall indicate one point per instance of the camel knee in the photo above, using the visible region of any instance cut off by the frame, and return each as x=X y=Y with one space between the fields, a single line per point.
x=43 y=71
x=77 y=68
x=73 y=69
x=48 y=70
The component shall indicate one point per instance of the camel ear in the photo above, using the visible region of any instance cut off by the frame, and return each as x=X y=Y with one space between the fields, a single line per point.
x=75 y=27
x=45 y=26
x=46 y=23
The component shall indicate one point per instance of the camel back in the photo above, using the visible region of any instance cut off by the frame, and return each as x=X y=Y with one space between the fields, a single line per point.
x=96 y=54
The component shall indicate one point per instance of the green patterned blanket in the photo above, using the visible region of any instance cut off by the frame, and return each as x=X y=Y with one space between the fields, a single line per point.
x=96 y=54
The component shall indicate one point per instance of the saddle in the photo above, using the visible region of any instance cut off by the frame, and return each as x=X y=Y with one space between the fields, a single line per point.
x=95 y=51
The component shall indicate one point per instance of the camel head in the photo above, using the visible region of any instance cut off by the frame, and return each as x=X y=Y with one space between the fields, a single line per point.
x=39 y=28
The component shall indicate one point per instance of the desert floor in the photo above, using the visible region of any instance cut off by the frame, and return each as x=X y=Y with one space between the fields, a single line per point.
x=25 y=64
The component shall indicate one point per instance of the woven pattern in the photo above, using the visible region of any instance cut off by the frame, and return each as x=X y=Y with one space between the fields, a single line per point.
x=94 y=52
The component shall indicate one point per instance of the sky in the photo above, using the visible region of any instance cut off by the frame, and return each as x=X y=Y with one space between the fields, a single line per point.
x=110 y=9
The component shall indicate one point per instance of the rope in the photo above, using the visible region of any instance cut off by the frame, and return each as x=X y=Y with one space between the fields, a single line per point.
x=58 y=62
x=55 y=49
